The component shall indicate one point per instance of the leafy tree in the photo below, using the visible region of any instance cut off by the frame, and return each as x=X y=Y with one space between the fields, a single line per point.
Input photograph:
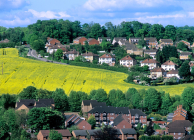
x=160 y=57
x=8 y=101
x=55 y=135
x=166 y=102
x=166 y=137
x=92 y=121
x=28 y=93
x=176 y=60
x=157 y=30
x=173 y=107
x=21 y=117
x=59 y=54
x=182 y=46
x=43 y=94
x=80 y=59
x=123 y=103
x=192 y=130
x=138 y=126
x=130 y=92
x=38 y=45
x=115 y=96
x=170 y=32
x=156 y=126
x=101 y=96
x=136 y=100
x=142 y=42
x=4 y=130
x=188 y=97
x=129 y=79
x=74 y=127
x=106 y=45
x=184 y=70
x=92 y=94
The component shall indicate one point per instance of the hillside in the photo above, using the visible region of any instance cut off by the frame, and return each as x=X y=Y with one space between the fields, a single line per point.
x=22 y=72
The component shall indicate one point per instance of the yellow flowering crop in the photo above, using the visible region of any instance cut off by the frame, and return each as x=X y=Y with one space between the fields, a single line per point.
x=18 y=73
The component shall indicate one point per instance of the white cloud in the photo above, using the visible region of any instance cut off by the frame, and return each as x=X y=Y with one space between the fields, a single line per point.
x=48 y=14
x=7 y=5
x=167 y=16
x=16 y=21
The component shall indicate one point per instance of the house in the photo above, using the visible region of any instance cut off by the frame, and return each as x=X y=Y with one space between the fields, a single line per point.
x=134 y=40
x=137 y=116
x=185 y=55
x=4 y=41
x=51 y=41
x=173 y=73
x=170 y=117
x=132 y=49
x=179 y=128
x=179 y=114
x=87 y=105
x=27 y=104
x=71 y=55
x=151 y=63
x=100 y=39
x=191 y=64
x=129 y=134
x=166 y=41
x=159 y=122
x=157 y=72
x=53 y=48
x=123 y=42
x=89 y=56
x=108 y=59
x=151 y=41
x=77 y=121
x=44 y=134
x=116 y=39
x=189 y=137
x=91 y=41
x=151 y=53
x=80 y=134
x=186 y=43
x=121 y=121
x=169 y=65
x=128 y=61
x=79 y=40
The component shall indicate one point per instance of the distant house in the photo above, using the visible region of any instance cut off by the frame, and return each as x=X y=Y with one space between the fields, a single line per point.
x=117 y=39
x=4 y=41
x=180 y=114
x=134 y=40
x=128 y=61
x=91 y=41
x=79 y=40
x=80 y=134
x=132 y=49
x=157 y=72
x=89 y=56
x=173 y=73
x=151 y=41
x=44 y=134
x=87 y=105
x=108 y=59
x=185 y=55
x=169 y=65
x=166 y=41
x=121 y=122
x=191 y=64
x=53 y=48
x=151 y=53
x=100 y=39
x=51 y=41
x=71 y=55
x=186 y=43
x=151 y=63
x=123 y=42
x=27 y=104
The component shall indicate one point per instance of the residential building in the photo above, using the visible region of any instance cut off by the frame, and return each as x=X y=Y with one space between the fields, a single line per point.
x=27 y=104
x=151 y=41
x=80 y=134
x=128 y=61
x=151 y=53
x=77 y=121
x=186 y=43
x=129 y=134
x=169 y=65
x=137 y=116
x=87 y=105
x=100 y=39
x=91 y=41
x=121 y=122
x=134 y=40
x=53 y=48
x=71 y=55
x=44 y=134
x=170 y=117
x=173 y=73
x=123 y=43
x=185 y=55
x=79 y=40
x=132 y=49
x=179 y=114
x=51 y=41
x=189 y=137
x=108 y=59
x=4 y=41
x=89 y=56
x=166 y=41
x=157 y=72
x=151 y=63
x=191 y=64
x=179 y=128
x=116 y=39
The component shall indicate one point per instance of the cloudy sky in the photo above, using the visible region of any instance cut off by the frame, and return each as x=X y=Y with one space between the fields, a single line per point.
x=14 y=13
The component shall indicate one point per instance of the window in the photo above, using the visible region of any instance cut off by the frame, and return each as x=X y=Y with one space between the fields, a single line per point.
x=174 y=133
x=123 y=126
x=83 y=127
x=179 y=133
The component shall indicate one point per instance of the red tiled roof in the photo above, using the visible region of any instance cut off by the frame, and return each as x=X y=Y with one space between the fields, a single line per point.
x=173 y=72
x=169 y=63
x=150 y=61
x=89 y=54
x=191 y=64
x=127 y=58
x=158 y=70
x=64 y=133
x=54 y=41
x=107 y=56
x=72 y=52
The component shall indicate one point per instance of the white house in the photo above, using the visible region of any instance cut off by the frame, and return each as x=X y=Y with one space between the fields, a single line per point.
x=108 y=59
x=71 y=55
x=151 y=63
x=173 y=73
x=151 y=53
x=169 y=65
x=116 y=39
x=127 y=61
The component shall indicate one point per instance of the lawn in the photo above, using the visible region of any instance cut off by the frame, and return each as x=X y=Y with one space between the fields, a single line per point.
x=19 y=73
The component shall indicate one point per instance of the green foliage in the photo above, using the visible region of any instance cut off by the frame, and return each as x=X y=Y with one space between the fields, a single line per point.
x=8 y=101
x=188 y=98
x=74 y=127
x=182 y=46
x=55 y=135
x=166 y=102
x=142 y=42
x=130 y=79
x=167 y=52
x=149 y=130
x=184 y=70
x=38 y=45
x=28 y=93
x=115 y=96
x=92 y=121
x=156 y=126
x=176 y=60
x=138 y=126
x=130 y=92
x=101 y=96
x=165 y=137
x=136 y=100
x=4 y=130
x=59 y=54
x=80 y=59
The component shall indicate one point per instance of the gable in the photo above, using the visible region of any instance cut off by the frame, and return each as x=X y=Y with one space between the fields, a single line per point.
x=22 y=107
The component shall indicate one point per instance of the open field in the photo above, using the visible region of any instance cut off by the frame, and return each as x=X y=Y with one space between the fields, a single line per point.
x=22 y=72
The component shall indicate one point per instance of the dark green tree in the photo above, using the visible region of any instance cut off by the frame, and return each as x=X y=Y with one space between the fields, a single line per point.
x=55 y=135
x=8 y=101
x=92 y=121
x=184 y=70
x=38 y=45
x=101 y=96
x=28 y=93
x=59 y=54
x=115 y=96
x=182 y=46
x=166 y=102
x=188 y=98
x=130 y=92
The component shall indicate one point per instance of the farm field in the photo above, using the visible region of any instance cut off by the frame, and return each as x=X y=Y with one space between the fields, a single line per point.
x=22 y=72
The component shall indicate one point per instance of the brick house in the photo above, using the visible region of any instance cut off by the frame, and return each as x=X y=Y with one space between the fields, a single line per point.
x=79 y=40
x=189 y=137
x=134 y=40
x=108 y=59
x=132 y=49
x=128 y=134
x=151 y=41
x=185 y=55
x=116 y=39
x=157 y=72
x=91 y=41
x=27 y=104
x=121 y=122
x=179 y=128
x=71 y=55
x=173 y=73
x=87 y=105
x=166 y=41
x=80 y=134
x=44 y=134
x=77 y=121
x=128 y=61
x=51 y=41
x=169 y=65
x=151 y=53
x=151 y=63
x=100 y=39
x=89 y=56
x=179 y=114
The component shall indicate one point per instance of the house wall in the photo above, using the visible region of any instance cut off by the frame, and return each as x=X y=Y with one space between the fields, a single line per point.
x=151 y=65
x=127 y=63
x=169 y=67
x=72 y=56
x=93 y=42
x=177 y=135
x=40 y=136
x=171 y=75
x=184 y=57
x=84 y=125
x=124 y=137
x=79 y=137
x=152 y=54
x=140 y=119
x=123 y=124
x=80 y=41
x=86 y=108
x=159 y=74
x=23 y=107
x=106 y=60
x=153 y=43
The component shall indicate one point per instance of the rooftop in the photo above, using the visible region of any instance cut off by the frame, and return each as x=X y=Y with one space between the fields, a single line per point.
x=149 y=61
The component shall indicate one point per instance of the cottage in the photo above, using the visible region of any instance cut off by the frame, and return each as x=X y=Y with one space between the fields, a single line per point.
x=51 y=41
x=169 y=65
x=151 y=63
x=151 y=41
x=157 y=72
x=132 y=49
x=79 y=40
x=151 y=53
x=129 y=134
x=44 y=134
x=89 y=56
x=166 y=41
x=185 y=55
x=80 y=134
x=108 y=59
x=87 y=105
x=173 y=73
x=179 y=114
x=121 y=122
x=134 y=40
x=91 y=41
x=71 y=55
x=128 y=61
x=4 y=41
x=116 y=39
x=100 y=39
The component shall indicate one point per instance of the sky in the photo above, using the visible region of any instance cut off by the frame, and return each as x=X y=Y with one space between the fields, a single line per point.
x=21 y=13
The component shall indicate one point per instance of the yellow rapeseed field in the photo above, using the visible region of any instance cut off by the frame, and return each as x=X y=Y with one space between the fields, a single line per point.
x=22 y=72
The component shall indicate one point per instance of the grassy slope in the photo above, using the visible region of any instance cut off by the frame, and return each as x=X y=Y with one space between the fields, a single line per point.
x=20 y=73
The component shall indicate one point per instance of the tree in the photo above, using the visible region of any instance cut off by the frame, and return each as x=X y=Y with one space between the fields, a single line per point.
x=130 y=92
x=136 y=100
x=184 y=70
x=149 y=129
x=160 y=57
x=101 y=96
x=74 y=127
x=92 y=121
x=176 y=60
x=166 y=137
x=188 y=98
x=28 y=93
x=182 y=46
x=59 y=54
x=142 y=42
x=192 y=130
x=115 y=96
x=38 y=45
x=44 y=119
x=4 y=130
x=166 y=102
x=80 y=59
x=8 y=101
x=55 y=135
